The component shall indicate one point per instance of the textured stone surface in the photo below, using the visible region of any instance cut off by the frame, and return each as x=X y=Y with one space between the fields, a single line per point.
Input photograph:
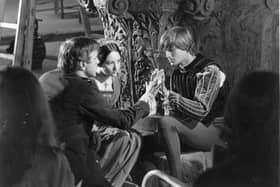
x=241 y=35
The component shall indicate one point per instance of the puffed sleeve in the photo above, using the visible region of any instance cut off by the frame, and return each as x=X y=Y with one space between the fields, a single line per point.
x=207 y=89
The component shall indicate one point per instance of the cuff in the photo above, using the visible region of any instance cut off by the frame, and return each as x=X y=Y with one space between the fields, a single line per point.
x=173 y=96
x=144 y=106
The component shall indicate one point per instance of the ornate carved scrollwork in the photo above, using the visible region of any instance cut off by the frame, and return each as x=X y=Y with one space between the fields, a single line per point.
x=135 y=24
x=198 y=9
x=225 y=28
x=145 y=41
x=118 y=28
x=143 y=58
x=118 y=7
x=272 y=4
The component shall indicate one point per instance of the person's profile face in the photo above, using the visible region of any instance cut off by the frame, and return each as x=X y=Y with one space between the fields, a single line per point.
x=175 y=56
x=91 y=67
x=112 y=63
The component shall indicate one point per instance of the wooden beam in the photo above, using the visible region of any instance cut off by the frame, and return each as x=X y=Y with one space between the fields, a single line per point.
x=8 y=25
x=7 y=56
x=85 y=21
x=29 y=33
x=2 y=12
x=54 y=37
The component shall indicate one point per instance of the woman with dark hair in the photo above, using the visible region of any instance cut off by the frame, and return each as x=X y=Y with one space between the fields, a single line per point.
x=252 y=118
x=77 y=104
x=29 y=154
x=109 y=54
x=107 y=77
x=115 y=142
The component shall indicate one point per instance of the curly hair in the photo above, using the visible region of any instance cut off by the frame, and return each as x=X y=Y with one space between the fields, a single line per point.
x=73 y=51
x=25 y=123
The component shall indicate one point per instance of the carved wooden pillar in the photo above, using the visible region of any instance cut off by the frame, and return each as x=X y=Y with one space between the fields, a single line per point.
x=241 y=35
x=135 y=24
x=117 y=26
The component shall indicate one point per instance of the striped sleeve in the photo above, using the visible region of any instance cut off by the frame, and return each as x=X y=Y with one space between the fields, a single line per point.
x=207 y=89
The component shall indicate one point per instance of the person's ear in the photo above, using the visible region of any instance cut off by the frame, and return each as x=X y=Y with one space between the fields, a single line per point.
x=82 y=65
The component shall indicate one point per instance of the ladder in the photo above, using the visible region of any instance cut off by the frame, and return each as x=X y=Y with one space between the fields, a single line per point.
x=23 y=47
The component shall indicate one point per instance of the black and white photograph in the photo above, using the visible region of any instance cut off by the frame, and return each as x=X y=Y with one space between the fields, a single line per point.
x=139 y=93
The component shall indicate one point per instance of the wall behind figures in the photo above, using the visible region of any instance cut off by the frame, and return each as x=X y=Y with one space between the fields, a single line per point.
x=241 y=35
x=251 y=37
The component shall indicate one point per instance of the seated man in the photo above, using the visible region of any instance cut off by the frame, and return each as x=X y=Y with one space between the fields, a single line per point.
x=76 y=104
x=194 y=104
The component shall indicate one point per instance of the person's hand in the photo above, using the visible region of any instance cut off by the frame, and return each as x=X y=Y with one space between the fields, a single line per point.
x=153 y=106
x=162 y=89
x=109 y=132
x=152 y=87
x=156 y=81
x=150 y=99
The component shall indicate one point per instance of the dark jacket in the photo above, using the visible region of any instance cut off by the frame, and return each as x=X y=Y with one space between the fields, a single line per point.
x=80 y=102
x=74 y=110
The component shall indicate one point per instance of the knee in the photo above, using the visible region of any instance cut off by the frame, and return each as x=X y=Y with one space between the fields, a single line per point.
x=123 y=136
x=167 y=123
x=129 y=138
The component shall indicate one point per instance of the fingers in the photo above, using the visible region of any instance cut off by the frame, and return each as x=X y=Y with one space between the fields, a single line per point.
x=153 y=106
x=154 y=91
x=157 y=80
x=157 y=76
x=172 y=97
x=154 y=74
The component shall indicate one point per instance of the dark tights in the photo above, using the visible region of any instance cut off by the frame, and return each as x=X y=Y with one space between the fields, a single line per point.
x=172 y=149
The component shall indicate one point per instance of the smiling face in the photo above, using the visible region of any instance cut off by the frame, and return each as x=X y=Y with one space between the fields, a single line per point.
x=112 y=63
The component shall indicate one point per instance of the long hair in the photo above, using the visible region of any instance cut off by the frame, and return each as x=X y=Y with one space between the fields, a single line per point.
x=73 y=51
x=252 y=116
x=25 y=123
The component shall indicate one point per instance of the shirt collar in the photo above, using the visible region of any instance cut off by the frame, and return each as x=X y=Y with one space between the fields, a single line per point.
x=184 y=69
